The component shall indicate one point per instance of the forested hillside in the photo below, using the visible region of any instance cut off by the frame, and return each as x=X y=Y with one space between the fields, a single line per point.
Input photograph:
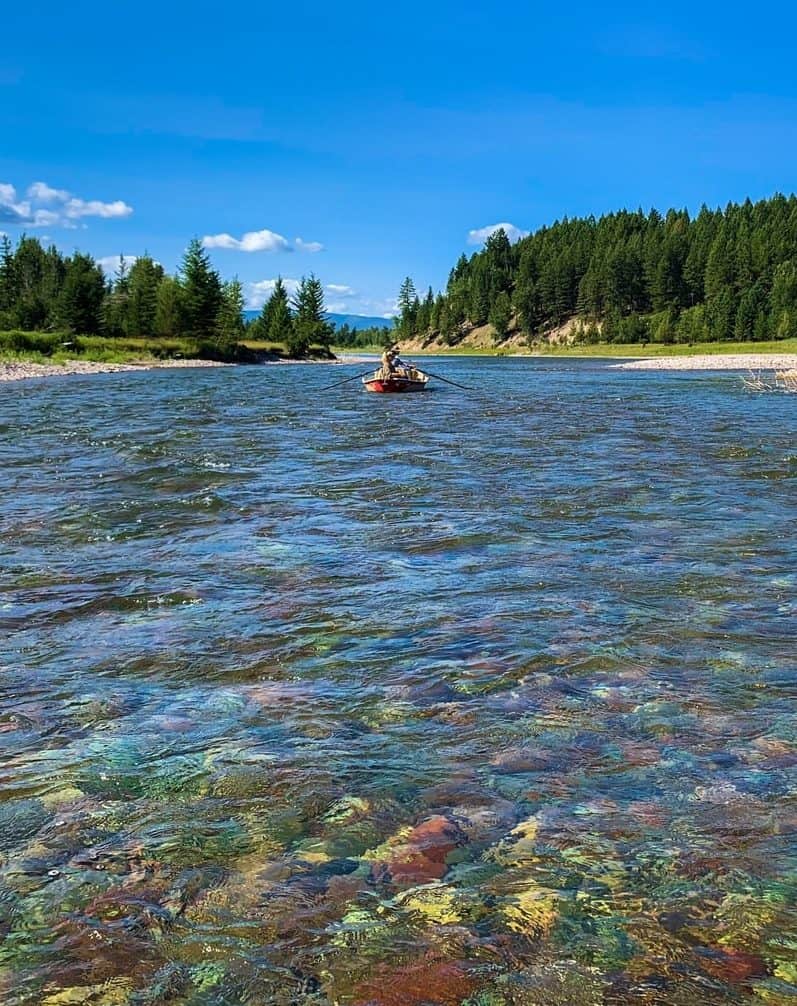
x=627 y=277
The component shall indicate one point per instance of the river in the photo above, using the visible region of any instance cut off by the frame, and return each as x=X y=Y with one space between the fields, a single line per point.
x=333 y=698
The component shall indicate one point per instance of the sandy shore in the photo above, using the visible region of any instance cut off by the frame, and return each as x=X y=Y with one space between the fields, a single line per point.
x=21 y=371
x=731 y=361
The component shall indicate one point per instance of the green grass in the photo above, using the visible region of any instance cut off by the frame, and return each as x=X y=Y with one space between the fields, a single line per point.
x=616 y=349
x=672 y=349
x=59 y=348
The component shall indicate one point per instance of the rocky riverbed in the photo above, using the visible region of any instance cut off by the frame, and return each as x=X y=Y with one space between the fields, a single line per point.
x=731 y=361
x=20 y=371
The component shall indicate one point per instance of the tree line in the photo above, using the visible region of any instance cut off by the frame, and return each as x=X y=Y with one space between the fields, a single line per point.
x=42 y=290
x=724 y=274
x=372 y=337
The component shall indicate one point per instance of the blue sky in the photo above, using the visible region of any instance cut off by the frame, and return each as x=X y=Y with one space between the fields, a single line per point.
x=366 y=142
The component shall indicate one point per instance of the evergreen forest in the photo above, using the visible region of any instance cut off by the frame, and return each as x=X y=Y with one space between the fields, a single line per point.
x=45 y=291
x=628 y=277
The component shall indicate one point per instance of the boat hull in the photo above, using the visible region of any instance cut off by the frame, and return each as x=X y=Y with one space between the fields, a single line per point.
x=393 y=385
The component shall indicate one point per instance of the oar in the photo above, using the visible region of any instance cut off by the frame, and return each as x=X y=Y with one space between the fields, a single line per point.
x=348 y=379
x=466 y=387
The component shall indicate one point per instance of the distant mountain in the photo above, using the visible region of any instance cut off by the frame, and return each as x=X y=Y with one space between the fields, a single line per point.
x=358 y=321
x=355 y=321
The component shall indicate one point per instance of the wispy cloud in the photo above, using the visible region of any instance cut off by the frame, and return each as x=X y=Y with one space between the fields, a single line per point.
x=45 y=206
x=44 y=193
x=308 y=246
x=480 y=235
x=260 y=241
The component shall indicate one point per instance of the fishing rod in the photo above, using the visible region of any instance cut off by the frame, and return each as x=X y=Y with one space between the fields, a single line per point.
x=347 y=381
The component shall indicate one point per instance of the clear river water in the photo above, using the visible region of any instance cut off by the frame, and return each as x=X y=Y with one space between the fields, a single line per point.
x=314 y=698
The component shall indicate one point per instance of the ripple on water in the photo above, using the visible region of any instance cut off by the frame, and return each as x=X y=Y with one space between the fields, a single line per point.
x=480 y=699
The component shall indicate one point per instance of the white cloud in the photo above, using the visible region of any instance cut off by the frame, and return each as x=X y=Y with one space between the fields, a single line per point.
x=340 y=289
x=252 y=241
x=48 y=218
x=43 y=193
x=259 y=241
x=478 y=237
x=74 y=209
x=65 y=208
x=110 y=263
x=308 y=246
x=11 y=211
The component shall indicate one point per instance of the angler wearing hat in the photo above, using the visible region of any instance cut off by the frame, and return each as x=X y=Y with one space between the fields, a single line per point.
x=389 y=358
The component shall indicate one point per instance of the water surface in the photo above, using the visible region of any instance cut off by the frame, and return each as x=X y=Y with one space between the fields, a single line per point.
x=330 y=698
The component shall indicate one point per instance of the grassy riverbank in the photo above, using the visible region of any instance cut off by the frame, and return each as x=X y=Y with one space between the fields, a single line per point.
x=57 y=348
x=656 y=349
x=620 y=350
x=60 y=348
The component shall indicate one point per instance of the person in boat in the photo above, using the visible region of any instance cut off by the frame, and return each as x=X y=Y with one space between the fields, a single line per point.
x=392 y=364
x=400 y=368
x=387 y=363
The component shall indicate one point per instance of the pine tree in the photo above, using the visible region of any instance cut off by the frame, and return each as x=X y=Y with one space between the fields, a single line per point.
x=202 y=295
x=479 y=300
x=500 y=315
x=721 y=315
x=142 y=301
x=499 y=262
x=230 y=320
x=437 y=312
x=114 y=308
x=407 y=300
x=751 y=307
x=79 y=307
x=528 y=306
x=169 y=315
x=424 y=319
x=460 y=270
x=8 y=284
x=310 y=327
x=277 y=316
x=783 y=301
x=39 y=278
x=261 y=324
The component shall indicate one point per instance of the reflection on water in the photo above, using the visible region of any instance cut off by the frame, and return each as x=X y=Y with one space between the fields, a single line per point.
x=332 y=698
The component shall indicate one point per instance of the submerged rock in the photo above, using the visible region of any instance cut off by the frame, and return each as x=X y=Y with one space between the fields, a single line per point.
x=418 y=983
x=420 y=854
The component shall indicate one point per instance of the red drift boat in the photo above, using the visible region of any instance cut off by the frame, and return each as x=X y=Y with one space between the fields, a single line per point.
x=397 y=383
